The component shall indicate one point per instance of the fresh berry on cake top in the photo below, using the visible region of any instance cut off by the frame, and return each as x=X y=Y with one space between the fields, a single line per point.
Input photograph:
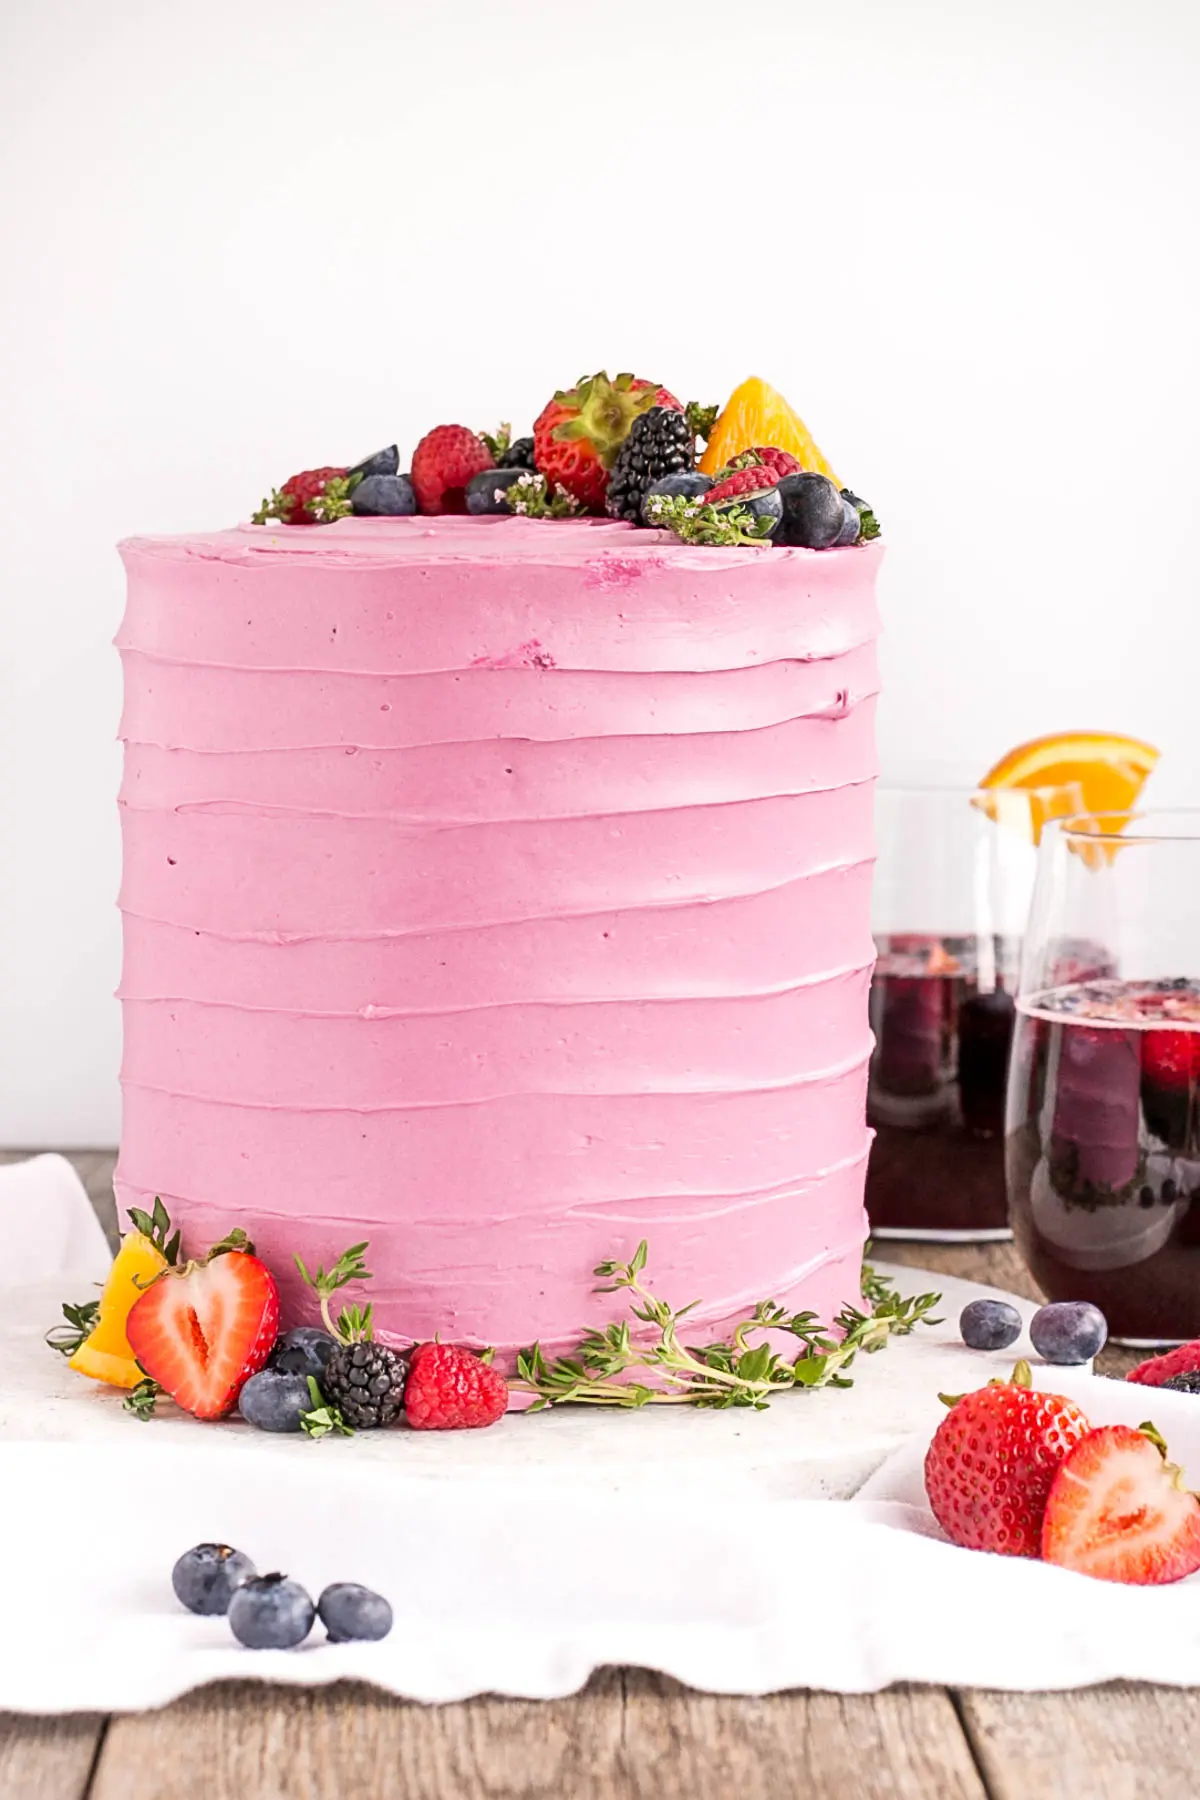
x=442 y=465
x=660 y=442
x=578 y=433
x=314 y=497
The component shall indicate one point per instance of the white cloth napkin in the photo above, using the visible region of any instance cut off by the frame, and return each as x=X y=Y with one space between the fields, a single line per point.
x=494 y=1591
x=518 y=1560
x=47 y=1223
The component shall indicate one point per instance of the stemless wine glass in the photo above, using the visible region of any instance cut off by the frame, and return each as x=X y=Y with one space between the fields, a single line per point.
x=954 y=874
x=1103 y=1120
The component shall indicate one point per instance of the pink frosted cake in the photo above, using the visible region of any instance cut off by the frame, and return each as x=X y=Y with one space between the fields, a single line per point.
x=496 y=890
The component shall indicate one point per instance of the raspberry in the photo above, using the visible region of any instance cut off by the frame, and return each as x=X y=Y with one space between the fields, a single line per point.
x=1156 y=1371
x=294 y=502
x=782 y=461
x=743 y=481
x=443 y=463
x=451 y=1389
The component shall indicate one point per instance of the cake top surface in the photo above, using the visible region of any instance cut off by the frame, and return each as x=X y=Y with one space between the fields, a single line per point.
x=452 y=538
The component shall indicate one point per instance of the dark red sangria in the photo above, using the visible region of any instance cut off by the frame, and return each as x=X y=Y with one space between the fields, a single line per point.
x=942 y=1017
x=1103 y=1150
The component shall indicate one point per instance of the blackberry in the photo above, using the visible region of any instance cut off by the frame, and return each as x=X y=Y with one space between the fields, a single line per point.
x=1186 y=1383
x=660 y=442
x=519 y=455
x=366 y=1382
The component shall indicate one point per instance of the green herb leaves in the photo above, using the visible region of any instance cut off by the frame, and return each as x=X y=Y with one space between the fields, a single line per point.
x=80 y=1322
x=604 y=1370
x=354 y=1324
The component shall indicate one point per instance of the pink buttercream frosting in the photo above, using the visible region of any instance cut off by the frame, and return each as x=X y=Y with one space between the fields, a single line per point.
x=497 y=891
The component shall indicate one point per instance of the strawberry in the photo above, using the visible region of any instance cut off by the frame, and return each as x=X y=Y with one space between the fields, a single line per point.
x=443 y=463
x=1171 y=1059
x=451 y=1389
x=577 y=434
x=992 y=1460
x=314 y=497
x=201 y=1330
x=1118 y=1510
x=755 y=479
x=1157 y=1369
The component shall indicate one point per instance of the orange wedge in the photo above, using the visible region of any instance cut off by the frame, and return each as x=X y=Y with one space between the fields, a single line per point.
x=105 y=1354
x=755 y=414
x=1064 y=773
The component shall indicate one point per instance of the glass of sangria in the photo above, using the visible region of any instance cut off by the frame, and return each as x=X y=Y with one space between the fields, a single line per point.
x=1103 y=1120
x=954 y=875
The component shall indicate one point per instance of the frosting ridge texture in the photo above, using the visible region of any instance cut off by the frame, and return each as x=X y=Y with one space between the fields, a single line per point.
x=498 y=891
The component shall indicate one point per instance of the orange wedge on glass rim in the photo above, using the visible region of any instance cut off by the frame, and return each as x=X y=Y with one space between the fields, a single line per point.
x=1065 y=773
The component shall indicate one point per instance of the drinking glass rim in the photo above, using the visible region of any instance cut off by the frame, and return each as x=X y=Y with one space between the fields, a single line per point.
x=1071 y=826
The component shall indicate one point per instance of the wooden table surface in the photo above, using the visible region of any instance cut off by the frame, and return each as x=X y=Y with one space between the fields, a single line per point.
x=628 y=1735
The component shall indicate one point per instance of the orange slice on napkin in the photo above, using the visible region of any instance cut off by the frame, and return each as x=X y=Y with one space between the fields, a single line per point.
x=105 y=1354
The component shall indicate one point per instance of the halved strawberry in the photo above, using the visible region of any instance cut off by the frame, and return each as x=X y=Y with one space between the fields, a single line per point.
x=1118 y=1510
x=202 y=1330
x=1171 y=1059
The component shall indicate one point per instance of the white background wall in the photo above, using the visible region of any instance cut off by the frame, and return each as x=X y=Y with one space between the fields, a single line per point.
x=246 y=236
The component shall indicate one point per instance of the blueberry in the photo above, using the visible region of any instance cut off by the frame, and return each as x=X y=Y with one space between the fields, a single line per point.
x=304 y=1351
x=687 y=481
x=1068 y=1331
x=274 y=1399
x=271 y=1613
x=483 y=488
x=384 y=462
x=766 y=505
x=989 y=1324
x=851 y=525
x=814 y=514
x=383 y=496
x=206 y=1577
x=349 y=1611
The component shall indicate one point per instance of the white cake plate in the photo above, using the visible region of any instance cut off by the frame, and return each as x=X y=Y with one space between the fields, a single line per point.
x=806 y=1445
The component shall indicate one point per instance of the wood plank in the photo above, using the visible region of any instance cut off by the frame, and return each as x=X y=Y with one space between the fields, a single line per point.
x=905 y=1744
x=47 y=1759
x=1118 y=1742
x=247 y=1741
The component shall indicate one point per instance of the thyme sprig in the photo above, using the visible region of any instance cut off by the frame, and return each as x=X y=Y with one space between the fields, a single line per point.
x=695 y=522
x=533 y=497
x=497 y=441
x=354 y=1324
x=603 y=1370
x=701 y=419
